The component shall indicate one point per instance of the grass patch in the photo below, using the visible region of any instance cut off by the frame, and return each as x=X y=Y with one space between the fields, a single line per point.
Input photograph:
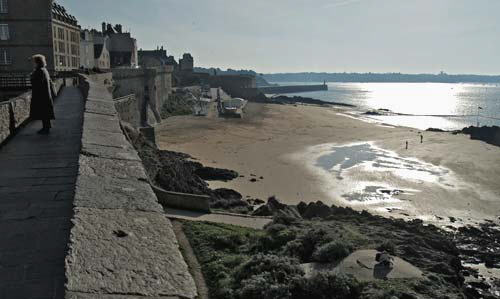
x=244 y=263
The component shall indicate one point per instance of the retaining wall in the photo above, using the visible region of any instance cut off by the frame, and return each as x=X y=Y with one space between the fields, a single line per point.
x=128 y=110
x=133 y=81
x=121 y=244
x=190 y=202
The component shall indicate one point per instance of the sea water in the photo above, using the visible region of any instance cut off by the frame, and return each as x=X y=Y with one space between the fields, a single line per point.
x=420 y=105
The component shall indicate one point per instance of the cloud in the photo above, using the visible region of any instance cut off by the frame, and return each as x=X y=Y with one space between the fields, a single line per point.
x=342 y=3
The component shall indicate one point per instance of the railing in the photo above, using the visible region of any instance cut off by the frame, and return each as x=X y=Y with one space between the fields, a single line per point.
x=15 y=82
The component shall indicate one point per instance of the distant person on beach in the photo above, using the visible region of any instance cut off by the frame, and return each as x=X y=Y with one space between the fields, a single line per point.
x=407 y=144
x=42 y=106
x=421 y=138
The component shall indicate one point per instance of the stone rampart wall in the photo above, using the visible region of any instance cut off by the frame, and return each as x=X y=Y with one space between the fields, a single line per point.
x=121 y=243
x=127 y=108
x=134 y=81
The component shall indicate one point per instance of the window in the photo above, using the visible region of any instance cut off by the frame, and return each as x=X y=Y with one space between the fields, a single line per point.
x=4 y=31
x=74 y=37
x=62 y=61
x=60 y=33
x=61 y=47
x=4 y=7
x=5 y=57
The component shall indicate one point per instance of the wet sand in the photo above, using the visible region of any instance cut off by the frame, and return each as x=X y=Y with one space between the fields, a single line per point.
x=281 y=144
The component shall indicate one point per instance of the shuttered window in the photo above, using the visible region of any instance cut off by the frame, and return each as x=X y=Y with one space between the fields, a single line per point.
x=4 y=7
x=4 y=31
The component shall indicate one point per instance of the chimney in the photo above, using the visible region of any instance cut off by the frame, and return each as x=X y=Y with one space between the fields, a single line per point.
x=103 y=27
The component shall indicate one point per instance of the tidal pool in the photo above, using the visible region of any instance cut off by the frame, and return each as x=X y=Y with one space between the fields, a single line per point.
x=367 y=173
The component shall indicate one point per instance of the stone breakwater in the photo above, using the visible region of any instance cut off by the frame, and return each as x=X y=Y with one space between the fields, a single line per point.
x=121 y=243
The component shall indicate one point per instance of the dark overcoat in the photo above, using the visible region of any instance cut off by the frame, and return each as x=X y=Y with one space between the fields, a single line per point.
x=42 y=106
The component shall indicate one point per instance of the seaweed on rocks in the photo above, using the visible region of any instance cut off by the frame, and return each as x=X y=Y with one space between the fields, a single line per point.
x=178 y=172
x=304 y=100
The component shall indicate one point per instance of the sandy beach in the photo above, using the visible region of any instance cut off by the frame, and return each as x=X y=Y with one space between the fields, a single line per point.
x=292 y=152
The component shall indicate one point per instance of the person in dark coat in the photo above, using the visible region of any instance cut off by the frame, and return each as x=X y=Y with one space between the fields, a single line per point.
x=42 y=106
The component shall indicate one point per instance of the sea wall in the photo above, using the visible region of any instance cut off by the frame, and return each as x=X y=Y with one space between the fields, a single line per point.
x=121 y=243
x=134 y=81
x=292 y=88
x=127 y=109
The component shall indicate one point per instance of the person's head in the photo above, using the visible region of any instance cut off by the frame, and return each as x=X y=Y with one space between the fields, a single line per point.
x=39 y=61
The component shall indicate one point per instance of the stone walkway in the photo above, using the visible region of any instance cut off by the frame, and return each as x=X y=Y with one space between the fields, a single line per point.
x=37 y=181
x=240 y=220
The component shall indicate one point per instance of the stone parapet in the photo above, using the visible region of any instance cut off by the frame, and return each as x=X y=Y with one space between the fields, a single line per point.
x=121 y=245
x=13 y=114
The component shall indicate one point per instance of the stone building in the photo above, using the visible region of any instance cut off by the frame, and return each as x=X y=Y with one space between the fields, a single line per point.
x=31 y=27
x=101 y=55
x=86 y=50
x=121 y=45
x=94 y=50
x=66 y=35
x=186 y=63
x=155 y=58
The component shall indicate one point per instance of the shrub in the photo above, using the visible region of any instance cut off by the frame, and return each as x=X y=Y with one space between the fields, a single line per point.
x=228 y=242
x=266 y=277
x=304 y=246
x=263 y=286
x=388 y=246
x=332 y=252
x=329 y=285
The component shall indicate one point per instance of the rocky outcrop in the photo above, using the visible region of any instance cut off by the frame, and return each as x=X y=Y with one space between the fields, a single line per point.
x=216 y=174
x=305 y=100
x=489 y=135
x=176 y=172
x=315 y=210
x=275 y=208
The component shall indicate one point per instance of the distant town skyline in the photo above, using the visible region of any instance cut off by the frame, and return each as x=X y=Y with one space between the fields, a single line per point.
x=409 y=36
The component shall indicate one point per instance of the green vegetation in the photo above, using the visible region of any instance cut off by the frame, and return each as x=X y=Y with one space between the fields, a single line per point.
x=177 y=105
x=245 y=263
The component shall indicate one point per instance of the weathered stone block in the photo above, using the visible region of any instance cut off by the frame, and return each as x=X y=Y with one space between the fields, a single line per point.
x=126 y=252
x=104 y=138
x=101 y=107
x=110 y=193
x=103 y=151
x=119 y=169
x=4 y=121
x=21 y=109
x=101 y=122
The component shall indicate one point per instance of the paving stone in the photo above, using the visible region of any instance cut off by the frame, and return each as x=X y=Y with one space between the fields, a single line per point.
x=38 y=175
x=145 y=262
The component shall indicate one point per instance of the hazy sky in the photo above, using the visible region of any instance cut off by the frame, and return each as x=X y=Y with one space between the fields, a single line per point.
x=411 y=36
